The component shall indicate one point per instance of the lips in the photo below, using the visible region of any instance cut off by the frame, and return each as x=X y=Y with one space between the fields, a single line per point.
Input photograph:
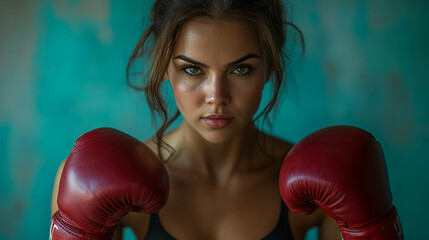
x=217 y=120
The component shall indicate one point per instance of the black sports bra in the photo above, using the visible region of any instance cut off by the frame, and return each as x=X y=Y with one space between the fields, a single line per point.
x=280 y=232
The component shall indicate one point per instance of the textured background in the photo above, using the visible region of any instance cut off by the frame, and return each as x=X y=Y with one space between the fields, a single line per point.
x=62 y=68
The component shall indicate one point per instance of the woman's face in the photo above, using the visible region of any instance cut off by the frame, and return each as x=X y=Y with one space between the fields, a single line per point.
x=217 y=76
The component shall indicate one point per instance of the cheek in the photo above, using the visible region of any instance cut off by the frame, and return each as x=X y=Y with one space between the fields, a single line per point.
x=248 y=98
x=251 y=93
x=186 y=96
x=180 y=91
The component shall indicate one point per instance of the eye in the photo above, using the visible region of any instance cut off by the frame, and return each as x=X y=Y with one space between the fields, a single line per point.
x=241 y=70
x=192 y=70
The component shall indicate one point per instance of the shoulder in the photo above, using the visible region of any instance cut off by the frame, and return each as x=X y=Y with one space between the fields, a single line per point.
x=274 y=146
x=170 y=139
x=151 y=144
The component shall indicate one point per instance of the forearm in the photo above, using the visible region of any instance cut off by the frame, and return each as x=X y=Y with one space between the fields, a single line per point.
x=328 y=229
x=118 y=233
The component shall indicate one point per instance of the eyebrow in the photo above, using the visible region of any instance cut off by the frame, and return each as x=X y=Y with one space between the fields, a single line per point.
x=242 y=59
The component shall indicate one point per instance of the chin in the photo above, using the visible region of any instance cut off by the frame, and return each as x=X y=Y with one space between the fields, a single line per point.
x=218 y=136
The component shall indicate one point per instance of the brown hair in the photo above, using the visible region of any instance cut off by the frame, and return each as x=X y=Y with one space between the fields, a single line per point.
x=266 y=17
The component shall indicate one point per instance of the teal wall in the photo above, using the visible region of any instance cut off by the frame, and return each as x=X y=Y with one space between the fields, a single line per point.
x=62 y=68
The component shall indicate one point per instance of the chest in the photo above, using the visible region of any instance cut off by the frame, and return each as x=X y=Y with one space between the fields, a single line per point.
x=244 y=208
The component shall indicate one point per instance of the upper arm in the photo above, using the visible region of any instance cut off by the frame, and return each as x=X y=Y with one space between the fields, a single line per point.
x=54 y=205
x=138 y=222
x=126 y=221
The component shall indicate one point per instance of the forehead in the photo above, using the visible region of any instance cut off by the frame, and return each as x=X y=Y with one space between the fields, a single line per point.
x=222 y=40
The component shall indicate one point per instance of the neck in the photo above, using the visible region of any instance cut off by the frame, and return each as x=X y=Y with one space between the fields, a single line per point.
x=219 y=161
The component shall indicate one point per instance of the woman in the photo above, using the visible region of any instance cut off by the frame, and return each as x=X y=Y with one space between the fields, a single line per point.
x=218 y=56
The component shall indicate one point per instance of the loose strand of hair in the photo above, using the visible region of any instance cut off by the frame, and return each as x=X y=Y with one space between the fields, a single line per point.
x=138 y=51
x=161 y=144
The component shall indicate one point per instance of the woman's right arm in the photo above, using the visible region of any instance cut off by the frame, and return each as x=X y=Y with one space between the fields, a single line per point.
x=54 y=205
x=327 y=226
x=138 y=222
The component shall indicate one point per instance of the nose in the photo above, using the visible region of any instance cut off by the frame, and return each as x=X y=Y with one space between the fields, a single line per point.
x=217 y=91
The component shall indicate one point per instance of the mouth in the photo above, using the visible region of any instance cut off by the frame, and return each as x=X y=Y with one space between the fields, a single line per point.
x=217 y=120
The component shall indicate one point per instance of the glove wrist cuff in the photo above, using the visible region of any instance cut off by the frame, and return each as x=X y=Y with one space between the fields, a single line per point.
x=387 y=227
x=64 y=228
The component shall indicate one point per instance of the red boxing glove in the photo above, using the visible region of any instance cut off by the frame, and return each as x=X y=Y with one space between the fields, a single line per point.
x=107 y=175
x=342 y=170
